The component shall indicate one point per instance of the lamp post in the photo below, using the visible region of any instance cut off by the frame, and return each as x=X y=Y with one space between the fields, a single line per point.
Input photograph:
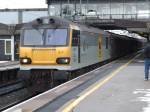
x=136 y=5
x=48 y=2
x=123 y=9
x=68 y=7
x=110 y=10
x=75 y=7
x=87 y=5
x=60 y=8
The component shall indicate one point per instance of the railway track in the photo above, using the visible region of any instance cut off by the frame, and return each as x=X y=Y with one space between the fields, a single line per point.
x=5 y=93
x=16 y=92
x=11 y=87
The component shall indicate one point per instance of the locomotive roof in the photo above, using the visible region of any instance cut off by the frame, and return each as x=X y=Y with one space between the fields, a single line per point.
x=62 y=23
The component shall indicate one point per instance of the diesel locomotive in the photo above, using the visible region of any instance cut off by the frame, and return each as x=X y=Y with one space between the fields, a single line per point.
x=61 y=46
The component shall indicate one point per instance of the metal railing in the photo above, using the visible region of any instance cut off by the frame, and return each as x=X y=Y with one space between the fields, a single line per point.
x=143 y=16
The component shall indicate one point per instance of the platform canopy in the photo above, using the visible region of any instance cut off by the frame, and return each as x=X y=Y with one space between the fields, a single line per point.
x=92 y=1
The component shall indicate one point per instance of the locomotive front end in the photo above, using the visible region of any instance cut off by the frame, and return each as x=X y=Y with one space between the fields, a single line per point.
x=45 y=47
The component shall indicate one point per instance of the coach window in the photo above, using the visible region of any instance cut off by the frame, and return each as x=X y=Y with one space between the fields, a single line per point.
x=7 y=47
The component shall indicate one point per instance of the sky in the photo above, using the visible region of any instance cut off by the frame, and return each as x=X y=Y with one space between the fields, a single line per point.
x=17 y=4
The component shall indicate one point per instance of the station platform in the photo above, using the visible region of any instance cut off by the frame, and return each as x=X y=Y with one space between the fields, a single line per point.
x=8 y=65
x=116 y=87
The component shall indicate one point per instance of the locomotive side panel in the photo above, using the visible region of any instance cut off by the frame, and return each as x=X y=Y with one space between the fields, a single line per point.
x=86 y=49
x=89 y=48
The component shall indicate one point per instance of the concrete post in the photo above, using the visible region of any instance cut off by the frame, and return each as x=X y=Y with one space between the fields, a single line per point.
x=20 y=17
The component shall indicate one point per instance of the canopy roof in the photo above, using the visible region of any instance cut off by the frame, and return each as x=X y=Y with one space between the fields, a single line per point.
x=92 y=1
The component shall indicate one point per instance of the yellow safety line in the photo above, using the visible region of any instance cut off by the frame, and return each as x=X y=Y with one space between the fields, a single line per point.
x=71 y=106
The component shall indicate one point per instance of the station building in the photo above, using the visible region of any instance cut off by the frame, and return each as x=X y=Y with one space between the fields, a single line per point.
x=11 y=20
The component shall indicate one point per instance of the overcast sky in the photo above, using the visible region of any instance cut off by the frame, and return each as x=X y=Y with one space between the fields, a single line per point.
x=15 y=4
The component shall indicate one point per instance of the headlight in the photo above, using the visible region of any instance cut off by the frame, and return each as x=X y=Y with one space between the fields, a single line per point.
x=25 y=60
x=63 y=60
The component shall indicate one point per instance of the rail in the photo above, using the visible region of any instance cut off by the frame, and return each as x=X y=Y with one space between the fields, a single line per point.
x=8 y=88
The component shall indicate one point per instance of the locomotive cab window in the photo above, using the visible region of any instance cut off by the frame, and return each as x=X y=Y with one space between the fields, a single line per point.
x=33 y=37
x=56 y=37
x=45 y=37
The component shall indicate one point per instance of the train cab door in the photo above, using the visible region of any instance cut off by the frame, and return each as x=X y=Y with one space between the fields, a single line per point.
x=76 y=44
x=100 y=47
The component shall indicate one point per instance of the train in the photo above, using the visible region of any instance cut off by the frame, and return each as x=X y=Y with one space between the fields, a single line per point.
x=58 y=46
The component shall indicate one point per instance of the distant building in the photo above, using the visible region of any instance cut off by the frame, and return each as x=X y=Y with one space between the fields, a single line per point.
x=11 y=20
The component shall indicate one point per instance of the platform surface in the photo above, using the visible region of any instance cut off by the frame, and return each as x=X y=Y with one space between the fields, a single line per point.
x=126 y=91
x=116 y=87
